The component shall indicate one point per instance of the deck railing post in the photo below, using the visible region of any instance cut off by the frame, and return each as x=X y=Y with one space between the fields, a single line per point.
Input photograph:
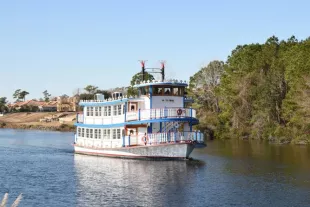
x=139 y=114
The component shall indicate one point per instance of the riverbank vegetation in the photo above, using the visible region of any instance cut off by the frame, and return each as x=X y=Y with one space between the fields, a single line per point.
x=262 y=91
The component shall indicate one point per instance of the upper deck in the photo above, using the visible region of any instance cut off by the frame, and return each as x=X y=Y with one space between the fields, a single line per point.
x=157 y=100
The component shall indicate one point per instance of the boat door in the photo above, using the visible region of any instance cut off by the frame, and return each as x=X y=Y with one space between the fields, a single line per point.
x=133 y=135
x=133 y=106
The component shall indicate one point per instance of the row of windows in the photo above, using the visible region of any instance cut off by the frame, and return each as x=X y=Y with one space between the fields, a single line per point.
x=100 y=133
x=163 y=91
x=105 y=110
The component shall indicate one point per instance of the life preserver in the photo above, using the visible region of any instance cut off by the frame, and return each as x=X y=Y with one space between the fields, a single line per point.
x=179 y=112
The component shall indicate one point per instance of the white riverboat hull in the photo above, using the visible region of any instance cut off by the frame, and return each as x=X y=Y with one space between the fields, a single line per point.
x=155 y=152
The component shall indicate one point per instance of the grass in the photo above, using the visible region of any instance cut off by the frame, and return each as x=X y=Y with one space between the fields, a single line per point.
x=5 y=200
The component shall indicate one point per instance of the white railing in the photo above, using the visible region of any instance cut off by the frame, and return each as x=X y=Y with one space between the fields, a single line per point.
x=159 y=81
x=165 y=138
x=98 y=143
x=147 y=114
x=152 y=139
x=105 y=100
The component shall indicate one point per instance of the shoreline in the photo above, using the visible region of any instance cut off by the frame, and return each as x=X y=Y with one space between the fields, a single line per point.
x=24 y=126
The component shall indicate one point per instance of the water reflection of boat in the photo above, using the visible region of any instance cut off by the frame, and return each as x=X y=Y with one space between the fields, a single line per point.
x=123 y=182
x=156 y=124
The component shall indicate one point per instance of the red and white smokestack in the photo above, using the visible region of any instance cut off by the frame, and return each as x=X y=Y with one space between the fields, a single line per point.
x=162 y=71
x=143 y=69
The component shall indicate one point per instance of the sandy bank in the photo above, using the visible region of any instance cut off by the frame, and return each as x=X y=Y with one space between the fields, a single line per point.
x=28 y=120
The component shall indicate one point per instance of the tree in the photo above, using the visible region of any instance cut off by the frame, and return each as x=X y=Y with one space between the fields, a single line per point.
x=203 y=88
x=19 y=94
x=3 y=102
x=91 y=96
x=263 y=93
x=203 y=85
x=16 y=94
x=105 y=93
x=46 y=96
x=136 y=79
x=91 y=89
x=23 y=94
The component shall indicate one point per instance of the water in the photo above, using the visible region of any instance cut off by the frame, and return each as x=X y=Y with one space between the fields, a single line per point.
x=42 y=166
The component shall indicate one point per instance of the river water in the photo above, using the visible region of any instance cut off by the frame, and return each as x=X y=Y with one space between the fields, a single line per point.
x=42 y=166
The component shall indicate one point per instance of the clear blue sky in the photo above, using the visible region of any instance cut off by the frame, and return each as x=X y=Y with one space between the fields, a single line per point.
x=62 y=45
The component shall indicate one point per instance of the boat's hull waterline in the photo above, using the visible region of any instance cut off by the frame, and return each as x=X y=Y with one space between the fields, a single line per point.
x=179 y=151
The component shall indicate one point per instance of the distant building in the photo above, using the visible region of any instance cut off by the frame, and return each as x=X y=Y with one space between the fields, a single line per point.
x=66 y=103
x=48 y=106
x=30 y=105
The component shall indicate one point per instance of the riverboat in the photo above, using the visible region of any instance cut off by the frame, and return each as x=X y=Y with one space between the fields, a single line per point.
x=154 y=124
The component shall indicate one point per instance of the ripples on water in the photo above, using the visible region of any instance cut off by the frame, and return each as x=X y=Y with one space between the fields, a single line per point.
x=42 y=166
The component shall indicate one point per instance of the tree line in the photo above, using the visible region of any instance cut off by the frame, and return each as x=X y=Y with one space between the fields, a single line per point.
x=20 y=95
x=262 y=91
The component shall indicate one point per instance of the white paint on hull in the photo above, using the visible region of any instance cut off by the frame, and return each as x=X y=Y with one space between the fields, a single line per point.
x=102 y=152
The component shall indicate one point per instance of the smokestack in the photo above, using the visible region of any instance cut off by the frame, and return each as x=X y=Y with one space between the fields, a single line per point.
x=143 y=69
x=162 y=71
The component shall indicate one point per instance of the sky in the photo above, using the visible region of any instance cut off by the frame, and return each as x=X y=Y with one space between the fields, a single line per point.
x=60 y=46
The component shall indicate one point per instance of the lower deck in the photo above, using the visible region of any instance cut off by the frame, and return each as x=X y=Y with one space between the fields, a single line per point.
x=163 y=151
x=146 y=139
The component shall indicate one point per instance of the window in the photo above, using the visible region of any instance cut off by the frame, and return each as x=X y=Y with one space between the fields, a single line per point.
x=88 y=111
x=118 y=135
x=109 y=110
x=119 y=109
x=176 y=92
x=114 y=110
x=99 y=111
x=99 y=133
x=108 y=133
x=105 y=111
x=87 y=133
x=83 y=130
x=167 y=91
x=96 y=111
x=104 y=134
x=157 y=90
x=144 y=90
x=91 y=111
x=132 y=108
x=114 y=133
x=181 y=91
x=96 y=133
x=79 y=132
x=91 y=133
